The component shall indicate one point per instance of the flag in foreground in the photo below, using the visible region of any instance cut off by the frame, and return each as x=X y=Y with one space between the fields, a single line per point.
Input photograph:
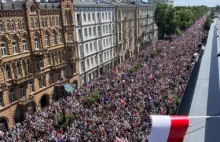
x=167 y=128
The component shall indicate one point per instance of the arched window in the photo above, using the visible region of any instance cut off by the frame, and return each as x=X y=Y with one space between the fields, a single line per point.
x=54 y=39
x=11 y=95
x=4 y=49
x=32 y=23
x=8 y=71
x=36 y=23
x=2 y=29
x=50 y=21
x=19 y=24
x=53 y=21
x=55 y=58
x=48 y=59
x=13 y=25
x=57 y=21
x=9 y=25
x=67 y=17
x=15 y=46
x=36 y=42
x=47 y=40
x=24 y=44
x=18 y=70
x=60 y=38
x=23 y=24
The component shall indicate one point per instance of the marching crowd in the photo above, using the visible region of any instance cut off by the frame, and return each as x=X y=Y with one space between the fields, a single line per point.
x=126 y=99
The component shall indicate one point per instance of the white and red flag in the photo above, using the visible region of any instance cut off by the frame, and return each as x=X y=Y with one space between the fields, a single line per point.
x=167 y=128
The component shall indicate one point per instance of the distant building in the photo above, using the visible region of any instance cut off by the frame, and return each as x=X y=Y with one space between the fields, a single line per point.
x=153 y=2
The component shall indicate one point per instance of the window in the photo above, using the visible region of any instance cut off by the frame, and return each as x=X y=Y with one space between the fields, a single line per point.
x=32 y=23
x=11 y=95
x=36 y=23
x=48 y=59
x=55 y=58
x=103 y=16
x=22 y=92
x=13 y=25
x=54 y=39
x=45 y=22
x=92 y=61
x=46 y=40
x=98 y=16
x=28 y=66
x=23 y=24
x=8 y=71
x=85 y=32
x=50 y=78
x=4 y=49
x=19 y=24
x=84 y=17
x=106 y=28
x=90 y=47
x=106 y=16
x=42 y=22
x=70 y=37
x=50 y=21
x=53 y=21
x=60 y=38
x=44 y=80
x=103 y=42
x=110 y=53
x=89 y=18
x=104 y=55
x=87 y=48
x=24 y=44
x=90 y=32
x=93 y=16
x=106 y=41
x=39 y=63
x=103 y=28
x=57 y=21
x=36 y=43
x=109 y=40
x=87 y=61
x=31 y=86
x=82 y=66
x=9 y=25
x=2 y=26
x=109 y=15
x=18 y=70
x=100 y=58
x=107 y=54
x=94 y=46
x=40 y=82
x=109 y=28
x=1 y=100
x=15 y=46
x=94 y=31
x=96 y=60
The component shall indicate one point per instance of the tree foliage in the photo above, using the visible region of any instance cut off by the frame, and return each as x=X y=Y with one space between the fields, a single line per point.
x=172 y=20
x=207 y=24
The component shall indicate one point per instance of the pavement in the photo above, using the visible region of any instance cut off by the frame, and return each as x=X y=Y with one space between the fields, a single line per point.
x=206 y=98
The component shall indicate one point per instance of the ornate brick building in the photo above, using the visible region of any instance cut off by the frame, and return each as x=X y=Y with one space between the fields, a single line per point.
x=38 y=54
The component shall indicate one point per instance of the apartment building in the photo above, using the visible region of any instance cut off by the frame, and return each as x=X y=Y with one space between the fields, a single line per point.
x=169 y=2
x=96 y=35
x=38 y=56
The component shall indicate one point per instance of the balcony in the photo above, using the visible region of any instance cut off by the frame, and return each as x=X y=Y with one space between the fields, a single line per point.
x=24 y=101
x=58 y=66
x=40 y=52
x=72 y=44
x=69 y=27
x=23 y=79
x=61 y=82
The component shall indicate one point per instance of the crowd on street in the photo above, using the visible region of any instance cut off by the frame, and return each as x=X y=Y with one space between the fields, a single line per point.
x=125 y=100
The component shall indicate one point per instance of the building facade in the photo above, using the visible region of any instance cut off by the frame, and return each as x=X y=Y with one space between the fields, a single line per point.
x=96 y=34
x=153 y=2
x=38 y=54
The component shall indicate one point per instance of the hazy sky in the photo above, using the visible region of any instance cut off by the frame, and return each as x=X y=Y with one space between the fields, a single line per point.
x=210 y=3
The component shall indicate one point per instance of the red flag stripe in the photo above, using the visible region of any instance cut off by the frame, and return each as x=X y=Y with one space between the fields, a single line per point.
x=179 y=126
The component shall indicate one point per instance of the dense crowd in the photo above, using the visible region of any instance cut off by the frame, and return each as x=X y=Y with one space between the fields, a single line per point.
x=126 y=99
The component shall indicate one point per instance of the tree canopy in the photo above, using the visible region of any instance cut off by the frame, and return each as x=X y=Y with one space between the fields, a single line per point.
x=172 y=20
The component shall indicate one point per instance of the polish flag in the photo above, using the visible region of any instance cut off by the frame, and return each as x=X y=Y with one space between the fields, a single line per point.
x=167 y=128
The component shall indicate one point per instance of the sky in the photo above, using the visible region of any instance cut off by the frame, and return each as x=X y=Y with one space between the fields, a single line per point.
x=209 y=3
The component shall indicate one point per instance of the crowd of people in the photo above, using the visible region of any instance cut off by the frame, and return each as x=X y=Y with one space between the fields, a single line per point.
x=126 y=99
